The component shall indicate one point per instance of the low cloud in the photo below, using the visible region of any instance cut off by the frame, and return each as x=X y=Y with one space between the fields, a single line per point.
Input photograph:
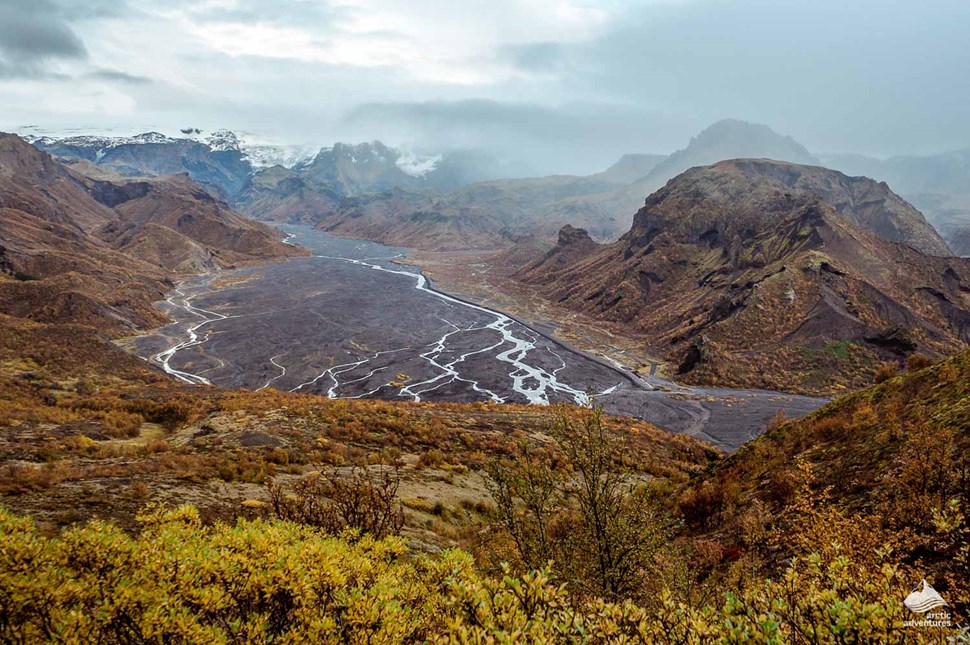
x=573 y=138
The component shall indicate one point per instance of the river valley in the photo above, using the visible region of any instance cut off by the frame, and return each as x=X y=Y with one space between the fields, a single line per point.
x=352 y=321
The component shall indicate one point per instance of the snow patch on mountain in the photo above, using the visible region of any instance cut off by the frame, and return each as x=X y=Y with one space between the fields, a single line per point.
x=223 y=141
x=265 y=155
x=417 y=165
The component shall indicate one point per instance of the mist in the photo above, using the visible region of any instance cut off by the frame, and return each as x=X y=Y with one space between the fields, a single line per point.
x=566 y=87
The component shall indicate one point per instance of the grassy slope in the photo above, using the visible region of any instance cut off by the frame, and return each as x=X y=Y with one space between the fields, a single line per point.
x=895 y=457
x=89 y=431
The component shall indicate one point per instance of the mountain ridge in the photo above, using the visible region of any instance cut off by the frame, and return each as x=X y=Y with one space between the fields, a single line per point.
x=730 y=265
x=79 y=249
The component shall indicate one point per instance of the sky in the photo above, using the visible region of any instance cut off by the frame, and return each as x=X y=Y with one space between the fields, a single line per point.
x=567 y=84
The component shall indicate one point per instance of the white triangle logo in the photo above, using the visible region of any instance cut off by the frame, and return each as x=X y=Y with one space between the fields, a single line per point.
x=925 y=599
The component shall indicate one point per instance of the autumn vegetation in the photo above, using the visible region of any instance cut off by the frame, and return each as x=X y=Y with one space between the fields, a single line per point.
x=140 y=510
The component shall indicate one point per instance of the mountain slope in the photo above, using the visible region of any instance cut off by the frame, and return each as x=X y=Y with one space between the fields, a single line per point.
x=178 y=204
x=313 y=190
x=752 y=272
x=630 y=168
x=217 y=163
x=484 y=215
x=939 y=185
x=896 y=453
x=99 y=251
x=278 y=194
x=608 y=213
x=729 y=139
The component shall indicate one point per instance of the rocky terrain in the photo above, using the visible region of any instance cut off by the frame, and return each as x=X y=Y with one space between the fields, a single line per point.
x=100 y=251
x=529 y=212
x=939 y=185
x=754 y=272
x=217 y=163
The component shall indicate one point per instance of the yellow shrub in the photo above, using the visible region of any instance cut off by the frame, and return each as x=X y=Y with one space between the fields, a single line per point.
x=261 y=581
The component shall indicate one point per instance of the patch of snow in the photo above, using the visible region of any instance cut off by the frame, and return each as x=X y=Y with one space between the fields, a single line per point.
x=267 y=155
x=145 y=137
x=223 y=141
x=416 y=165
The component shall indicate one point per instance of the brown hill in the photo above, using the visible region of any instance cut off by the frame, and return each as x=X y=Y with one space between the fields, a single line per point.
x=31 y=181
x=213 y=232
x=754 y=272
x=896 y=453
x=278 y=194
x=100 y=251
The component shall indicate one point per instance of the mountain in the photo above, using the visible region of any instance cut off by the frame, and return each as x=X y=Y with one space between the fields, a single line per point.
x=368 y=168
x=414 y=219
x=278 y=194
x=484 y=215
x=630 y=168
x=54 y=265
x=217 y=162
x=180 y=207
x=947 y=173
x=313 y=190
x=100 y=251
x=729 y=139
x=607 y=214
x=770 y=274
x=950 y=214
x=939 y=185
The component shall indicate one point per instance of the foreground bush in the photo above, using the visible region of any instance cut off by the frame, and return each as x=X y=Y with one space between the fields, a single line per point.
x=275 y=581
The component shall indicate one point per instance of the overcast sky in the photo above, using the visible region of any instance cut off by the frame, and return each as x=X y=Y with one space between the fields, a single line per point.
x=573 y=82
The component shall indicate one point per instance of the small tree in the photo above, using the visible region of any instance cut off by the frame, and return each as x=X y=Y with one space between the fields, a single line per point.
x=528 y=492
x=598 y=522
x=361 y=499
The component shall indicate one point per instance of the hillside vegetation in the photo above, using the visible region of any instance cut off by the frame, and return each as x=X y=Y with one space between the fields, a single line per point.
x=270 y=581
x=812 y=533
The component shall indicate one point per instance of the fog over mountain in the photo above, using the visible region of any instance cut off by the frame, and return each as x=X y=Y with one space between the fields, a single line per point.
x=561 y=88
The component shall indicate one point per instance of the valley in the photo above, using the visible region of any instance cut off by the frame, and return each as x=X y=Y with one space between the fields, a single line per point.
x=403 y=322
x=351 y=321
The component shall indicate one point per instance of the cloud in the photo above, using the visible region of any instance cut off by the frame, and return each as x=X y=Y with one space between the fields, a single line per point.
x=562 y=82
x=115 y=76
x=569 y=138
x=31 y=35
x=434 y=41
x=534 y=57
x=879 y=76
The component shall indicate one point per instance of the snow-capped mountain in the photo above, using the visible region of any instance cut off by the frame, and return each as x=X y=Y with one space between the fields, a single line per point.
x=267 y=155
x=213 y=160
x=229 y=164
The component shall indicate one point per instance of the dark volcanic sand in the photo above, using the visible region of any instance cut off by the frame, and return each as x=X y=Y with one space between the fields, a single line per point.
x=351 y=323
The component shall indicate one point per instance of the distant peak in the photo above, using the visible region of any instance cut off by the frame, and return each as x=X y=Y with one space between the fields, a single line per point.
x=223 y=140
